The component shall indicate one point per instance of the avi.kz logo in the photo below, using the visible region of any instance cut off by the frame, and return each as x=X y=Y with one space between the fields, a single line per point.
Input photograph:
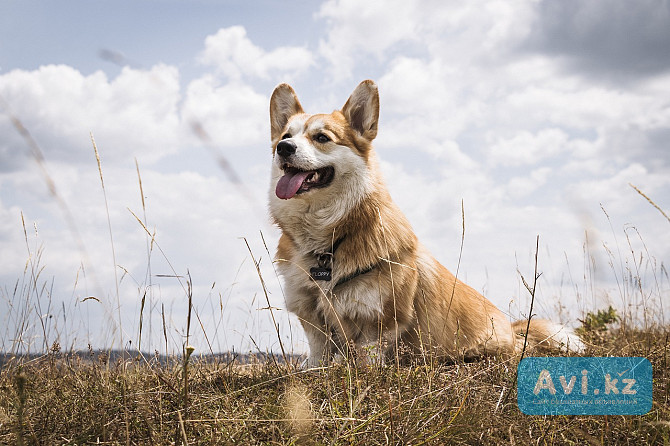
x=584 y=386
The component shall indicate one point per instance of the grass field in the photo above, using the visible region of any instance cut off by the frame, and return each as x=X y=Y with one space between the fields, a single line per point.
x=63 y=399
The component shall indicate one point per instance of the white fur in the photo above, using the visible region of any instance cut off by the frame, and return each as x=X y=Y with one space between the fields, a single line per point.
x=312 y=212
x=565 y=337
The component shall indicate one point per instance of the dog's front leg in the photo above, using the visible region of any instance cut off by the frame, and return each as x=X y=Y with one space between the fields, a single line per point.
x=320 y=342
x=372 y=353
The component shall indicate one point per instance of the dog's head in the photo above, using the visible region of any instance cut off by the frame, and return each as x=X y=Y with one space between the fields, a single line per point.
x=322 y=155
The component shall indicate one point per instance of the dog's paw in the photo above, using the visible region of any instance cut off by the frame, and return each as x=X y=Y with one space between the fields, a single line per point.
x=313 y=362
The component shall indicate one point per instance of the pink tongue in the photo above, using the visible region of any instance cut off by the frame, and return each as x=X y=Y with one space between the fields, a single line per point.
x=290 y=183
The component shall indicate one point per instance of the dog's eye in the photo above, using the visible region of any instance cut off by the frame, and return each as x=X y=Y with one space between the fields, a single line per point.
x=286 y=136
x=321 y=138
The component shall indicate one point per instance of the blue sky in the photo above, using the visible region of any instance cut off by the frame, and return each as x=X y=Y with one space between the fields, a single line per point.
x=147 y=32
x=533 y=115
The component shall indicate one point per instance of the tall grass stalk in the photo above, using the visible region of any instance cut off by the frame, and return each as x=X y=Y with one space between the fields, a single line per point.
x=148 y=276
x=267 y=300
x=651 y=202
x=187 y=351
x=531 y=290
x=111 y=241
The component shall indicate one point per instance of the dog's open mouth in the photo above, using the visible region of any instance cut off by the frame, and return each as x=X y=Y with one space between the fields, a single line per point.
x=296 y=181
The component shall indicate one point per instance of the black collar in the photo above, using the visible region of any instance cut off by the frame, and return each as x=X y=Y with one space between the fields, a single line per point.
x=325 y=268
x=325 y=259
x=360 y=272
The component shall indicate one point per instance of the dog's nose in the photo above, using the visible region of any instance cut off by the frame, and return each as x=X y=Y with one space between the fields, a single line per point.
x=286 y=148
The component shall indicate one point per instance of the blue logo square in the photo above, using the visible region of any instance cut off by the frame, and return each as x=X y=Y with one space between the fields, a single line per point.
x=584 y=386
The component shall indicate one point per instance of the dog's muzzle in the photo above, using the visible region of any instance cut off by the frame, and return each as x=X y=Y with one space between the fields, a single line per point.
x=286 y=148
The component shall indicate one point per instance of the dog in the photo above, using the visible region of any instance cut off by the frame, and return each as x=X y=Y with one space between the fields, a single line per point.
x=354 y=272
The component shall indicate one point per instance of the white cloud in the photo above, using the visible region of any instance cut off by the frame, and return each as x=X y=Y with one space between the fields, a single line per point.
x=576 y=104
x=525 y=148
x=232 y=53
x=233 y=115
x=136 y=113
x=458 y=32
x=613 y=190
x=427 y=93
x=11 y=233
x=523 y=186
x=358 y=29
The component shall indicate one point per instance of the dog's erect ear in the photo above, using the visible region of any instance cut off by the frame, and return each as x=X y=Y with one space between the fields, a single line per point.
x=283 y=104
x=362 y=109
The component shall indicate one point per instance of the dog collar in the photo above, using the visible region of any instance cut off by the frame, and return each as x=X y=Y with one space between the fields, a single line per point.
x=325 y=261
x=354 y=275
x=325 y=269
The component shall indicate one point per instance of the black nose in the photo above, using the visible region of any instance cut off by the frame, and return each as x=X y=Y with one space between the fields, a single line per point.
x=286 y=148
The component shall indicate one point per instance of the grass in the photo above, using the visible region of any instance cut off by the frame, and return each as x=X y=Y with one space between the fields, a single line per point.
x=63 y=399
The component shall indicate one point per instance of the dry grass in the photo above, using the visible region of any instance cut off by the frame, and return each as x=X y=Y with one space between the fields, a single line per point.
x=69 y=400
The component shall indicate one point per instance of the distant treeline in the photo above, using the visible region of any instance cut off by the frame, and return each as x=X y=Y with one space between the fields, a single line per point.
x=113 y=356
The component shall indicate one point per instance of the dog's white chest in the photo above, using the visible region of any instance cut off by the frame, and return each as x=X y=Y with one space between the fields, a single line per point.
x=356 y=298
x=359 y=300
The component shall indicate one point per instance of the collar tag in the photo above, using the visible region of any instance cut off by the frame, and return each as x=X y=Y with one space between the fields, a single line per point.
x=319 y=273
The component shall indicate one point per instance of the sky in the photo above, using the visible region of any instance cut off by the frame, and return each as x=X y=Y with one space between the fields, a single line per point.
x=503 y=124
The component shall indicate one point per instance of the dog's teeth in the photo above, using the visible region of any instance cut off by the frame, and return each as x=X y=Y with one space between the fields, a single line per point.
x=312 y=178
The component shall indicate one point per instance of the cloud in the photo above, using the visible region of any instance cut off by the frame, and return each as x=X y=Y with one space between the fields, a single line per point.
x=525 y=148
x=578 y=104
x=232 y=53
x=426 y=94
x=372 y=35
x=523 y=186
x=605 y=38
x=355 y=30
x=233 y=115
x=613 y=190
x=136 y=113
x=10 y=235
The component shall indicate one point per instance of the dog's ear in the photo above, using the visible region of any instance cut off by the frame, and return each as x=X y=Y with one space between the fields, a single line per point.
x=362 y=109
x=283 y=104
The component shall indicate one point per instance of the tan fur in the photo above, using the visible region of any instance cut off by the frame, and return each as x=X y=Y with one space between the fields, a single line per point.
x=408 y=296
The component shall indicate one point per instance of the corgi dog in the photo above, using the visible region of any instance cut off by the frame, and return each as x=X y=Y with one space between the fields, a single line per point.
x=354 y=272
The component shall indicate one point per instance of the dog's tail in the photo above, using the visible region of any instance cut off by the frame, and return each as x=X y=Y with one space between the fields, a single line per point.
x=545 y=335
